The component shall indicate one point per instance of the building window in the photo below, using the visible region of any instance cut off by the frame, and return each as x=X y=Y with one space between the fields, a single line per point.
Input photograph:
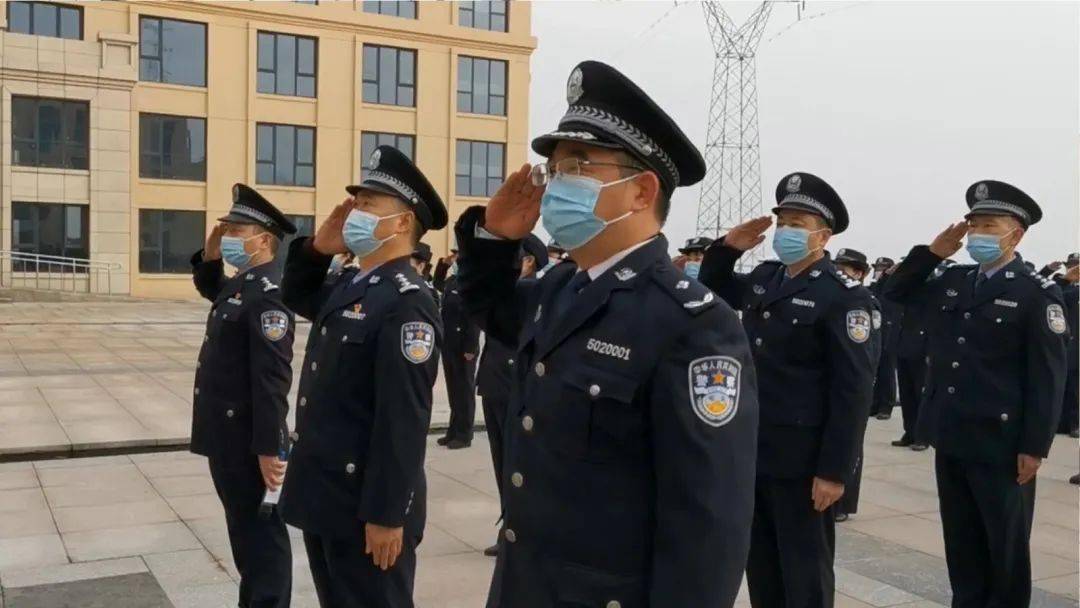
x=49 y=229
x=481 y=86
x=286 y=64
x=45 y=19
x=305 y=226
x=285 y=155
x=394 y=8
x=172 y=51
x=172 y=147
x=480 y=168
x=370 y=141
x=389 y=76
x=50 y=133
x=483 y=15
x=168 y=238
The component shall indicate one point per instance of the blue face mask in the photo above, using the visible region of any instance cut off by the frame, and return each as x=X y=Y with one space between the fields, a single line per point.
x=232 y=251
x=692 y=269
x=791 y=244
x=985 y=248
x=568 y=209
x=359 y=232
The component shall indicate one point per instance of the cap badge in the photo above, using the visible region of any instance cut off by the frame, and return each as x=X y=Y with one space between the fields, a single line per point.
x=841 y=253
x=982 y=192
x=374 y=162
x=574 y=89
x=236 y=193
x=794 y=183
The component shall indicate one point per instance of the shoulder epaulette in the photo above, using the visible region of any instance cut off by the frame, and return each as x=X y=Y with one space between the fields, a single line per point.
x=692 y=296
x=267 y=285
x=845 y=280
x=1042 y=281
x=404 y=284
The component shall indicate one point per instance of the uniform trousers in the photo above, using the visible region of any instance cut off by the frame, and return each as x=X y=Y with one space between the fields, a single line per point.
x=345 y=577
x=791 y=547
x=1070 y=409
x=986 y=518
x=260 y=547
x=495 y=419
x=461 y=391
x=911 y=374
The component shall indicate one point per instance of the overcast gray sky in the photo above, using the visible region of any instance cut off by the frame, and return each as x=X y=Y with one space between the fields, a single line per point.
x=899 y=105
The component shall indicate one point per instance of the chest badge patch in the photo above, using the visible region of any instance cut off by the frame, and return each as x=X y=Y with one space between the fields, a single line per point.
x=1055 y=318
x=714 y=389
x=275 y=324
x=417 y=341
x=858 y=325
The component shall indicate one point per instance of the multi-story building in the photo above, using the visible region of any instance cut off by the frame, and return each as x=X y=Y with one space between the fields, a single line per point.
x=125 y=124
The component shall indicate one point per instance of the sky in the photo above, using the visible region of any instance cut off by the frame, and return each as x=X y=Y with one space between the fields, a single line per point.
x=900 y=106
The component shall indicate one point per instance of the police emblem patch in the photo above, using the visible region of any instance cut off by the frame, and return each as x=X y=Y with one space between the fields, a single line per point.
x=574 y=88
x=1055 y=318
x=275 y=324
x=373 y=163
x=982 y=192
x=876 y=317
x=417 y=341
x=858 y=325
x=794 y=183
x=714 y=389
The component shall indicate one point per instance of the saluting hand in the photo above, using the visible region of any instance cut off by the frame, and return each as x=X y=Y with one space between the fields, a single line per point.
x=1073 y=274
x=1026 y=468
x=212 y=249
x=273 y=471
x=513 y=211
x=949 y=241
x=824 y=493
x=679 y=261
x=748 y=235
x=382 y=544
x=328 y=239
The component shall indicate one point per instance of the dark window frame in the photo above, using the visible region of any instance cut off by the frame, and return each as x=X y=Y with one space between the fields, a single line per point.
x=84 y=250
x=472 y=85
x=59 y=6
x=491 y=182
x=161 y=154
x=36 y=139
x=160 y=57
x=397 y=74
x=379 y=134
x=314 y=75
x=182 y=265
x=379 y=4
x=467 y=7
x=296 y=154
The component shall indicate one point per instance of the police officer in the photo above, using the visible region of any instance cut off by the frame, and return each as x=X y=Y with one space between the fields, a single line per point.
x=911 y=353
x=632 y=428
x=885 y=389
x=692 y=253
x=811 y=327
x=495 y=377
x=242 y=382
x=853 y=264
x=420 y=260
x=356 y=484
x=993 y=392
x=1070 y=291
x=461 y=346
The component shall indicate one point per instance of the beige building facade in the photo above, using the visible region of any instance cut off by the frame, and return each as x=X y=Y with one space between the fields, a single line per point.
x=125 y=124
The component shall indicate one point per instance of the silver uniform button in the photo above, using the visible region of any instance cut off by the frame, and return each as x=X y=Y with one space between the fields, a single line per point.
x=955 y=364
x=350 y=468
x=509 y=361
x=323 y=331
x=527 y=423
x=613 y=604
x=294 y=436
x=198 y=364
x=952 y=390
x=967 y=315
x=517 y=479
x=960 y=340
x=230 y=413
x=206 y=338
x=1004 y=417
x=196 y=391
x=794 y=321
x=303 y=401
x=345 y=338
x=766 y=315
x=594 y=390
x=314 y=366
x=998 y=320
x=921 y=332
x=539 y=369
x=510 y=536
x=757 y=341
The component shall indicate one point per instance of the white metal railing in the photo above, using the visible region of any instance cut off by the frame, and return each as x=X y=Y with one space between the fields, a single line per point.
x=19 y=269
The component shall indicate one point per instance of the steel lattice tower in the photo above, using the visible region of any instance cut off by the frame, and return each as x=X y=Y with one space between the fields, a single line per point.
x=731 y=193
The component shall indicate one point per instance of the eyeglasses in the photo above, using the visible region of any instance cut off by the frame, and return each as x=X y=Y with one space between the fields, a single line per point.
x=543 y=173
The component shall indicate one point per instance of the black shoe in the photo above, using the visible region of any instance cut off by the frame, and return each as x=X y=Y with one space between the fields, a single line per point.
x=883 y=416
x=445 y=439
x=492 y=551
x=1075 y=480
x=840 y=517
x=457 y=444
x=903 y=442
x=1075 y=433
x=918 y=447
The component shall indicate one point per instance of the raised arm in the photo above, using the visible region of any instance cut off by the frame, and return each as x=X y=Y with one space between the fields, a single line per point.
x=207 y=269
x=718 y=267
x=304 y=286
x=908 y=281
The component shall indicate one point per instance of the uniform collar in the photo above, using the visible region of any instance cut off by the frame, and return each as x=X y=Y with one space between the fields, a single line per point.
x=609 y=263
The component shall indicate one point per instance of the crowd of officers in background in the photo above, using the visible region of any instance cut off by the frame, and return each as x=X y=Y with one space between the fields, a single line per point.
x=658 y=426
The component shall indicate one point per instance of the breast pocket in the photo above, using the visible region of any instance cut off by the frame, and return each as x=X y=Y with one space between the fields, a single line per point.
x=997 y=330
x=795 y=330
x=615 y=426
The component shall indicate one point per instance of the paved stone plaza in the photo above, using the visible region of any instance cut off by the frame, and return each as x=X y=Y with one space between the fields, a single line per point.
x=146 y=530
